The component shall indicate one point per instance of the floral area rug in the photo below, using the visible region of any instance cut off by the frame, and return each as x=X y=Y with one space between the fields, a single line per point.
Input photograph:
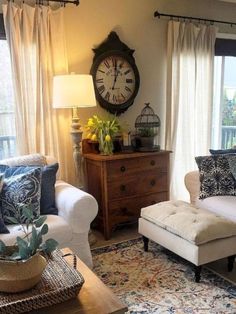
x=158 y=281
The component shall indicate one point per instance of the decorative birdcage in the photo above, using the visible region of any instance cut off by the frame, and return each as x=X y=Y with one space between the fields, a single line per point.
x=147 y=124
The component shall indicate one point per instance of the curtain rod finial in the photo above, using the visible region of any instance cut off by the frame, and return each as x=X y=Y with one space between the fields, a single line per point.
x=156 y=13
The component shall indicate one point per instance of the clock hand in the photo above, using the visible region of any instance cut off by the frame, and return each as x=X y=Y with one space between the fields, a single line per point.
x=115 y=76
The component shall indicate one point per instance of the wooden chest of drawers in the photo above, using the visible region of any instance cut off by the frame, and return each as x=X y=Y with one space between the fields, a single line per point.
x=124 y=183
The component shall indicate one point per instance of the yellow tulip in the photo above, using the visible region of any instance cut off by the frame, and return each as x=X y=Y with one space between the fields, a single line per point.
x=90 y=123
x=89 y=136
x=107 y=138
x=94 y=137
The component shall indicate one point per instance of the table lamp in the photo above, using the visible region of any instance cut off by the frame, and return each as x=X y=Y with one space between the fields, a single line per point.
x=74 y=91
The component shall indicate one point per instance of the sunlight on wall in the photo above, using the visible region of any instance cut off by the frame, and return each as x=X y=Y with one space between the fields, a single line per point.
x=90 y=23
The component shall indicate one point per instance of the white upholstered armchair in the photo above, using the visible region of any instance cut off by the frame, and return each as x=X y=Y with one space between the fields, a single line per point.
x=76 y=211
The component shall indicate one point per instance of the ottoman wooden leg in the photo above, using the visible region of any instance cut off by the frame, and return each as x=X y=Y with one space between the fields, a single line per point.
x=145 y=242
x=231 y=262
x=198 y=273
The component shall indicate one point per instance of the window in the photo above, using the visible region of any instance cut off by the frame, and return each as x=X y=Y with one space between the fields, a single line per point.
x=7 y=116
x=224 y=100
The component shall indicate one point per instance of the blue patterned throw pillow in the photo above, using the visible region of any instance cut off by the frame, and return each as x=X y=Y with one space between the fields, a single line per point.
x=1 y=181
x=222 y=151
x=232 y=164
x=3 y=168
x=216 y=177
x=3 y=228
x=47 y=199
x=21 y=189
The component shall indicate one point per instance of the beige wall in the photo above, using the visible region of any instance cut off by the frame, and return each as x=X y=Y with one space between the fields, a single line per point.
x=89 y=24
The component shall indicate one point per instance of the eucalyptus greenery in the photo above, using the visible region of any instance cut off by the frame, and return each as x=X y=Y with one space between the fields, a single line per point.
x=32 y=242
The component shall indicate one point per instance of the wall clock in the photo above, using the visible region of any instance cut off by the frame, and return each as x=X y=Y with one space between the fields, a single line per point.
x=115 y=75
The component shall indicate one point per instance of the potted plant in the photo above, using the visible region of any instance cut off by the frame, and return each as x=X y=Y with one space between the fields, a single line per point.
x=22 y=264
x=104 y=131
x=146 y=136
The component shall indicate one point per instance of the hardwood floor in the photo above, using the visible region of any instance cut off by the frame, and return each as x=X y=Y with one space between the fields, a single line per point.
x=122 y=233
x=220 y=267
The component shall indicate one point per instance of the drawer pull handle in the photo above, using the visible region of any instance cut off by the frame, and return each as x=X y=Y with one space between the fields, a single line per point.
x=122 y=187
x=153 y=182
x=122 y=169
x=152 y=162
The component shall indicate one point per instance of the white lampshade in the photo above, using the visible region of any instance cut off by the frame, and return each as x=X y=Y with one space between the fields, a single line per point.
x=73 y=90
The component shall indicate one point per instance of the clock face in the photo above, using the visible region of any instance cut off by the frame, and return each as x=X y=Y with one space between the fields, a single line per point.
x=116 y=81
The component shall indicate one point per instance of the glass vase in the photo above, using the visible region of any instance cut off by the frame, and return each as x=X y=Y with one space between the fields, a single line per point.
x=105 y=147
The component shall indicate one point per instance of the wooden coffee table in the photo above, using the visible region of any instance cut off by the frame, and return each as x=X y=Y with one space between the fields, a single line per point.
x=94 y=296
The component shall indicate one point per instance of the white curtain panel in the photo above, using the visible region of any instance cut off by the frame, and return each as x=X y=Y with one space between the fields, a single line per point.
x=38 y=52
x=190 y=57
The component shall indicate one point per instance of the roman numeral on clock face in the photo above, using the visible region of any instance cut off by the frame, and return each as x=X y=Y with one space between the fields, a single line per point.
x=127 y=71
x=106 y=62
x=128 y=89
x=101 y=89
x=114 y=62
x=114 y=98
x=107 y=96
x=122 y=96
x=100 y=80
x=121 y=65
x=129 y=81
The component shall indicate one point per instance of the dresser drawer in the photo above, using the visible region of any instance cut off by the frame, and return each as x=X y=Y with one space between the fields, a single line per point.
x=129 y=209
x=142 y=183
x=122 y=168
x=124 y=183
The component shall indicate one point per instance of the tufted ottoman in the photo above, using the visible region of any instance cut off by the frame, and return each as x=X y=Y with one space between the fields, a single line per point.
x=195 y=234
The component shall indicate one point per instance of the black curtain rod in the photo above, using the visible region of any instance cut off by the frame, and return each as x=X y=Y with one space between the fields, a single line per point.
x=157 y=14
x=75 y=2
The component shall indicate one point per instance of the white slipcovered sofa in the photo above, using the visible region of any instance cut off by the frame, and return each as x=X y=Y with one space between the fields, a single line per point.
x=76 y=211
x=222 y=205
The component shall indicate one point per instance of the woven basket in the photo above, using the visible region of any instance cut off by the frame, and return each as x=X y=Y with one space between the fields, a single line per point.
x=17 y=276
x=59 y=282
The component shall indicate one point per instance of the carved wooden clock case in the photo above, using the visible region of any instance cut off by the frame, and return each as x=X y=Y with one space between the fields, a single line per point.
x=115 y=75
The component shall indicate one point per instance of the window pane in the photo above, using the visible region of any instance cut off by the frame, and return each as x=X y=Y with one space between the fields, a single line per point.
x=7 y=116
x=224 y=107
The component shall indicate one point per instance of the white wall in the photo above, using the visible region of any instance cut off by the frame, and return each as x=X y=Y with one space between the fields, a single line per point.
x=90 y=23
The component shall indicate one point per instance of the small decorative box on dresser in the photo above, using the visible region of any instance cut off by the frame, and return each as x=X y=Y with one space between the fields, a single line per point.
x=123 y=183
